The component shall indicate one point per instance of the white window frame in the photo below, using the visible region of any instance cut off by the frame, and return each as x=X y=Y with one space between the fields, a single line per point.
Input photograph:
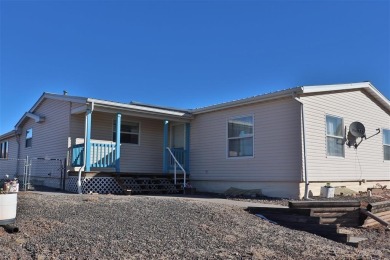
x=29 y=138
x=4 y=150
x=124 y=123
x=232 y=138
x=342 y=137
x=385 y=144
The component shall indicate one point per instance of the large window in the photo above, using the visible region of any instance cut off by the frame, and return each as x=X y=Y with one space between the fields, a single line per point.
x=240 y=136
x=29 y=133
x=334 y=136
x=386 y=144
x=4 y=149
x=129 y=132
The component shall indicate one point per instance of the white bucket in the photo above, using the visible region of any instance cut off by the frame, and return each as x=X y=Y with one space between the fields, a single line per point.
x=8 y=204
x=327 y=192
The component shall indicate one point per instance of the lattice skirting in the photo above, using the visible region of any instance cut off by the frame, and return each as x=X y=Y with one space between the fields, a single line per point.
x=102 y=185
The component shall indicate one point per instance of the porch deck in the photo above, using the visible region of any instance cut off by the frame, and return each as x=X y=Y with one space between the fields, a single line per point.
x=125 y=174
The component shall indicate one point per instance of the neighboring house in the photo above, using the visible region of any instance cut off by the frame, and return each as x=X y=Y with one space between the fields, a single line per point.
x=281 y=143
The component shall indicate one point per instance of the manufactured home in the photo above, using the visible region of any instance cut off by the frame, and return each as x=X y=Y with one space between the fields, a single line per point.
x=287 y=143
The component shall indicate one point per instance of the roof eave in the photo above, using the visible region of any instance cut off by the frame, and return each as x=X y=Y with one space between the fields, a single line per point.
x=352 y=86
x=246 y=101
x=73 y=99
x=8 y=135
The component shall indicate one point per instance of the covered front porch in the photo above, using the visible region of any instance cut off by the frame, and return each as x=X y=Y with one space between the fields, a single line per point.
x=129 y=138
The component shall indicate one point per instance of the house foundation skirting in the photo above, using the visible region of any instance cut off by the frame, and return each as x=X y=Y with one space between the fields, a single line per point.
x=136 y=184
x=101 y=185
x=315 y=187
x=270 y=189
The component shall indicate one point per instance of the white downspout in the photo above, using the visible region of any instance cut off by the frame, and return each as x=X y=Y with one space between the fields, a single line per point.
x=17 y=137
x=79 y=189
x=306 y=196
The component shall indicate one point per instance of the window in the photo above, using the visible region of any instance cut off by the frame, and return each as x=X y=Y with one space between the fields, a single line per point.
x=29 y=137
x=129 y=132
x=240 y=136
x=334 y=136
x=386 y=144
x=4 y=149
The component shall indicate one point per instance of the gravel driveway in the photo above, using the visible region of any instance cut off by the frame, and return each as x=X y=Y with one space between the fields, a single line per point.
x=69 y=226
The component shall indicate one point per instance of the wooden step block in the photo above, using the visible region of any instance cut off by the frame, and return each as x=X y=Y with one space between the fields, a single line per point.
x=312 y=228
x=323 y=204
x=355 y=213
x=260 y=210
x=350 y=222
x=369 y=222
x=336 y=209
x=287 y=218
x=379 y=206
x=355 y=241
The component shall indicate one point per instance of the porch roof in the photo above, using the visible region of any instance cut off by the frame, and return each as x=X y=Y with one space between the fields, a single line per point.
x=134 y=109
x=137 y=109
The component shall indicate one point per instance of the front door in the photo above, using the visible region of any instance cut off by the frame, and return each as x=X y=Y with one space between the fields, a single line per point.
x=177 y=142
x=178 y=136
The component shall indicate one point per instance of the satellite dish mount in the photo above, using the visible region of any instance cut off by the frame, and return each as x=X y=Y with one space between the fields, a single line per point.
x=357 y=130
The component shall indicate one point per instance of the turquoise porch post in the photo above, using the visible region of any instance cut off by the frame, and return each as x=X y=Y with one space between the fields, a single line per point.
x=187 y=150
x=88 y=141
x=118 y=144
x=165 y=145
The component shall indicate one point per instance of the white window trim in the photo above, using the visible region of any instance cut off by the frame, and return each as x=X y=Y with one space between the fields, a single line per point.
x=227 y=138
x=383 y=143
x=4 y=149
x=124 y=122
x=25 y=141
x=334 y=136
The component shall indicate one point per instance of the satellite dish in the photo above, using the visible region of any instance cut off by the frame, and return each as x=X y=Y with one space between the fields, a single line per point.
x=357 y=129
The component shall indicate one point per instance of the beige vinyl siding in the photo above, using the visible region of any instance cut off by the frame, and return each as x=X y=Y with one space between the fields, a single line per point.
x=277 y=144
x=11 y=166
x=12 y=147
x=50 y=138
x=77 y=123
x=144 y=157
x=364 y=163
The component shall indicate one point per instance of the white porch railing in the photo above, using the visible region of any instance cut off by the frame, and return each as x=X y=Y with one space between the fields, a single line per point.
x=102 y=154
x=174 y=168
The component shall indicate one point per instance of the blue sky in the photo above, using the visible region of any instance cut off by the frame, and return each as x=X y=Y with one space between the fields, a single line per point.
x=186 y=54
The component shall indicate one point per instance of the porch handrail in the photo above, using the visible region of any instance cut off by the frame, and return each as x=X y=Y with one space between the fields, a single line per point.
x=174 y=168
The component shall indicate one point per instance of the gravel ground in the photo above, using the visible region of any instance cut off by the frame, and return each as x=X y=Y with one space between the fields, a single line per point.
x=69 y=226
